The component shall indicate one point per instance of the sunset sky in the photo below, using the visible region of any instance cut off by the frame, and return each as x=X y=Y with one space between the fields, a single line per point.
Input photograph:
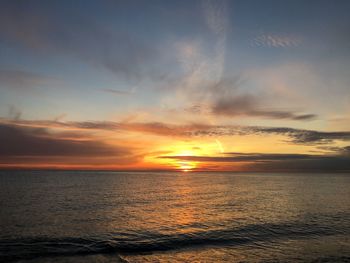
x=184 y=85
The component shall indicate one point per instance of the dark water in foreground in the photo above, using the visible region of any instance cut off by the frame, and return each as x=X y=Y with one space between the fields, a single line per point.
x=173 y=217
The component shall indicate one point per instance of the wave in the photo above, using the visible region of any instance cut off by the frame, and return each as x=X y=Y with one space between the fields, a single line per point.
x=147 y=242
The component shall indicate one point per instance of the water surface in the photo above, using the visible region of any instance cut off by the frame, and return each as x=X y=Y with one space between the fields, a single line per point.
x=79 y=216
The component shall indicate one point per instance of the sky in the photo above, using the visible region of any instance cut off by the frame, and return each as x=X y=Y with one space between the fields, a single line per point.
x=175 y=85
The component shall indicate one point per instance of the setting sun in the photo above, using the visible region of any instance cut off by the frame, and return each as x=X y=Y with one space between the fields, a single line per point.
x=186 y=166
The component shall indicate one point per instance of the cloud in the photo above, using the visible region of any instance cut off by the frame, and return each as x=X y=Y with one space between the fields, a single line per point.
x=305 y=136
x=202 y=60
x=216 y=16
x=247 y=105
x=28 y=141
x=225 y=98
x=276 y=41
x=64 y=141
x=206 y=89
x=239 y=157
x=157 y=128
x=118 y=92
x=277 y=162
x=297 y=136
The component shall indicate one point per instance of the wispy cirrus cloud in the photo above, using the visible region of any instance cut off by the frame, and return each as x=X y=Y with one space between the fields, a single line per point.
x=217 y=19
x=206 y=89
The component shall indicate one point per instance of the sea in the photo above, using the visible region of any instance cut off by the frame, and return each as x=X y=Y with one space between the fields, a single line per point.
x=107 y=216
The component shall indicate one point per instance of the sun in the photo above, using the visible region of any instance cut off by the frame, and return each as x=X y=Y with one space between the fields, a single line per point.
x=186 y=166
x=179 y=150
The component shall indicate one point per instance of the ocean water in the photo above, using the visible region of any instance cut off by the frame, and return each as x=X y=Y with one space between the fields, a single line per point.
x=79 y=216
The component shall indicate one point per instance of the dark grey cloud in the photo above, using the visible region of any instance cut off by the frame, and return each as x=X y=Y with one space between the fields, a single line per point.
x=339 y=162
x=24 y=141
x=297 y=136
x=248 y=105
x=324 y=164
x=239 y=157
x=336 y=149
x=305 y=136
x=346 y=150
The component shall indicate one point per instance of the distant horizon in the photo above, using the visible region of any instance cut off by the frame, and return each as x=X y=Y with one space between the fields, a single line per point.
x=175 y=170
